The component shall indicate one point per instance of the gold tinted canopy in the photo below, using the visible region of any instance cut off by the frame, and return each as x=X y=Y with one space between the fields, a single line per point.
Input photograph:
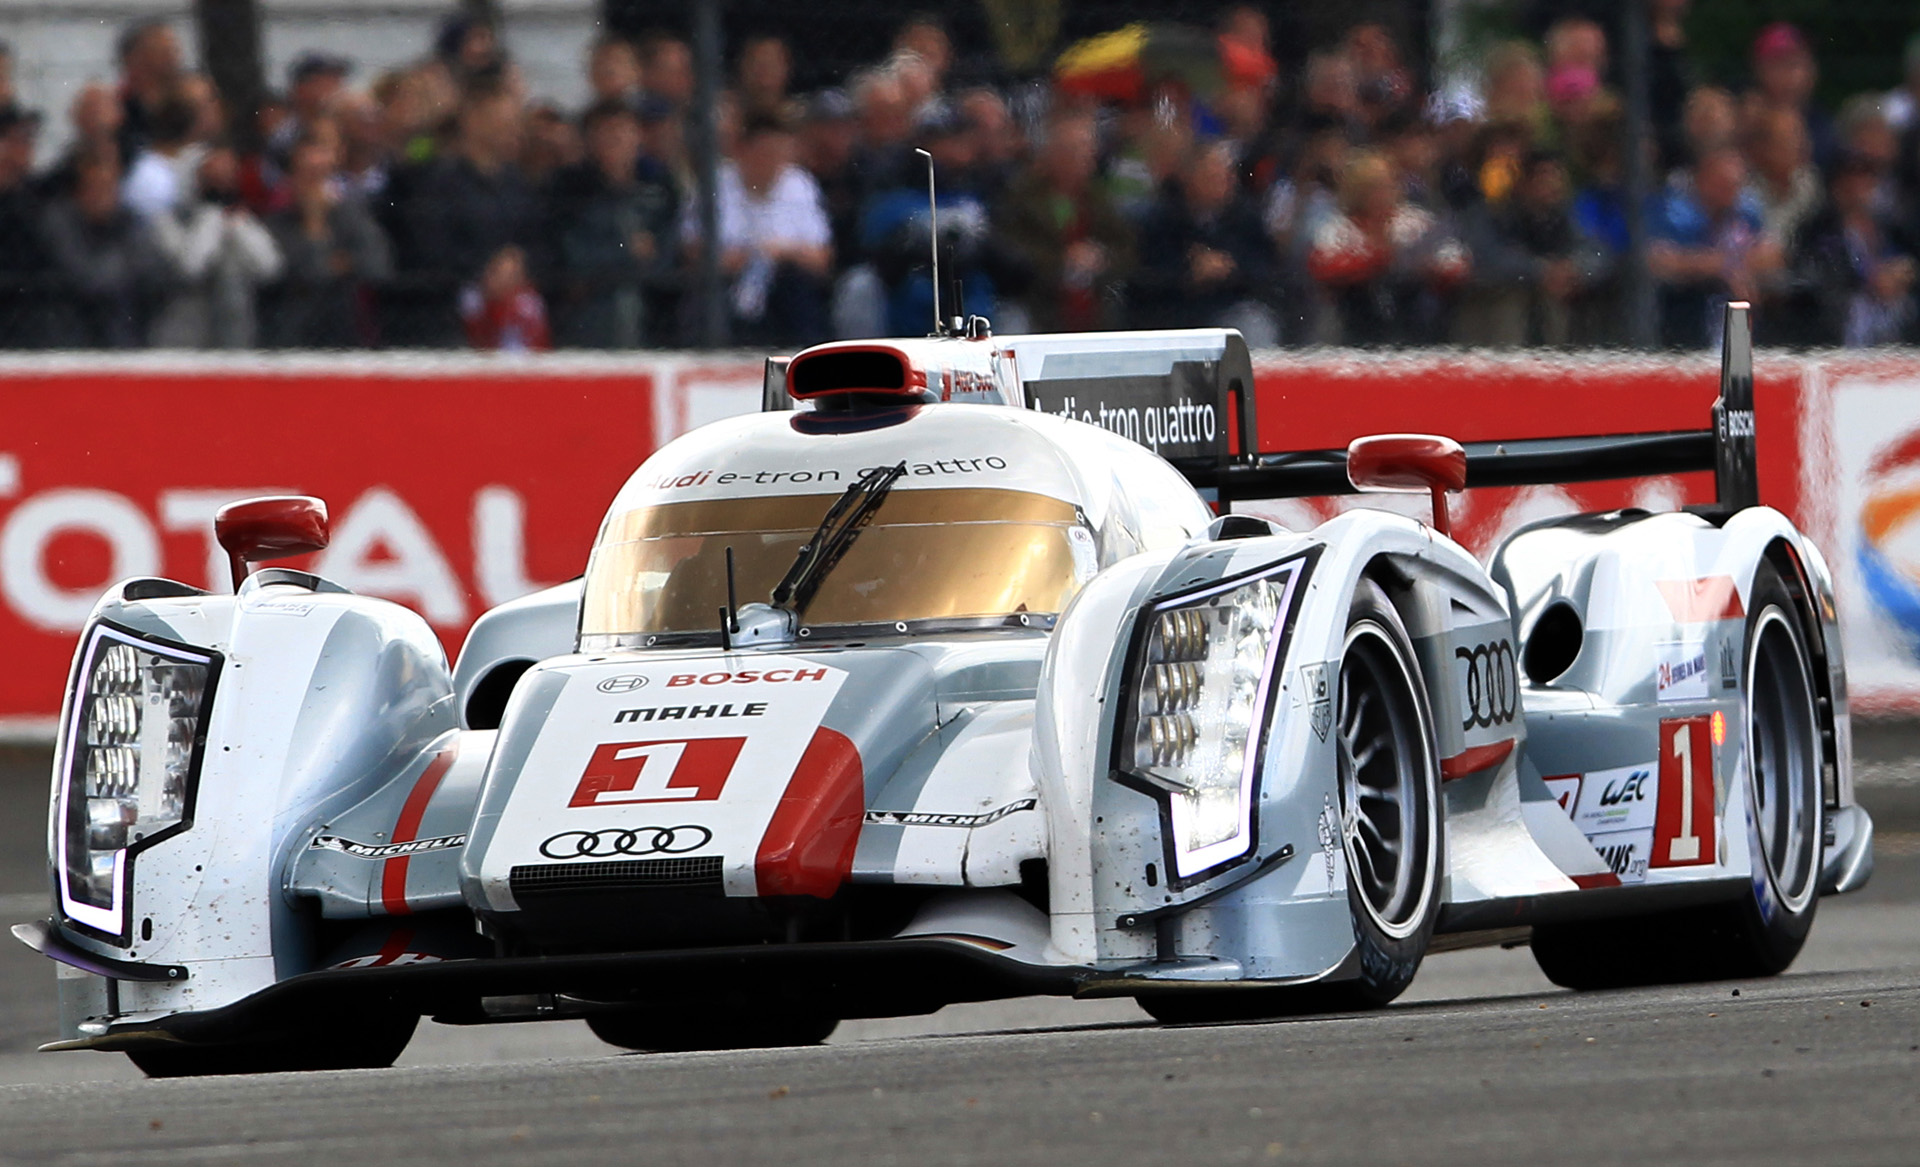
x=926 y=555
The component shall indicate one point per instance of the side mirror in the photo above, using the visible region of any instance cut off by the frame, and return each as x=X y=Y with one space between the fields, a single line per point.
x=254 y=529
x=1399 y=462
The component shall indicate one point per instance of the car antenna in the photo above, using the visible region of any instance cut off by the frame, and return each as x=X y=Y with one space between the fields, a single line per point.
x=933 y=223
x=729 y=615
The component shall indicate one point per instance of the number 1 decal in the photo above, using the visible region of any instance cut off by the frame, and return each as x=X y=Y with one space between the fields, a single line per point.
x=1683 y=825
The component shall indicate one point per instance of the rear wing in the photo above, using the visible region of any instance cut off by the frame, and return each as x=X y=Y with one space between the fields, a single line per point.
x=1727 y=449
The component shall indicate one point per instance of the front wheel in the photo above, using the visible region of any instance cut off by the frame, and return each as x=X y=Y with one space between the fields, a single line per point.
x=1389 y=773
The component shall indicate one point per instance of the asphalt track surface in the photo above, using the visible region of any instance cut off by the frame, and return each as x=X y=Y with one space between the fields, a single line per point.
x=1482 y=1062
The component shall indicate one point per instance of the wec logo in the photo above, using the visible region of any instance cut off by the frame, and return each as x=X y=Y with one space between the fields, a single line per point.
x=1632 y=789
x=628 y=773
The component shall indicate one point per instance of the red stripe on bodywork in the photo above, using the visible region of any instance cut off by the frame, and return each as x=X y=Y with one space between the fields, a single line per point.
x=393 y=877
x=808 y=847
x=395 y=947
x=1474 y=759
x=1693 y=601
x=1604 y=879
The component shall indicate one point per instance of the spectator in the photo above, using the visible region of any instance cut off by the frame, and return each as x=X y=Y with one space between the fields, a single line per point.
x=610 y=232
x=1708 y=246
x=613 y=70
x=332 y=252
x=776 y=246
x=997 y=144
x=366 y=160
x=1578 y=43
x=761 y=76
x=162 y=174
x=1785 y=73
x=219 y=254
x=1382 y=267
x=1530 y=262
x=314 y=81
x=8 y=96
x=104 y=255
x=1710 y=121
x=469 y=48
x=96 y=116
x=1330 y=97
x=1150 y=150
x=150 y=64
x=1854 y=267
x=1600 y=217
x=1671 y=76
x=1297 y=206
x=1205 y=259
x=828 y=135
x=502 y=310
x=551 y=142
x=25 y=265
x=1383 y=84
x=1516 y=91
x=925 y=36
x=1784 y=186
x=468 y=208
x=1064 y=229
x=1862 y=130
x=666 y=63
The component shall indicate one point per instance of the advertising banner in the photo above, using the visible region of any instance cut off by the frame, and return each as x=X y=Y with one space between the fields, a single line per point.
x=1868 y=524
x=451 y=487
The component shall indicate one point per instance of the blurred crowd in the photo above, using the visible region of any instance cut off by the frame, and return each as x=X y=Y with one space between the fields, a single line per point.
x=439 y=205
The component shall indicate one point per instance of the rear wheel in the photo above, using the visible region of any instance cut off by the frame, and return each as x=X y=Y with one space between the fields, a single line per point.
x=676 y=1033
x=360 y=1043
x=1390 y=826
x=1761 y=933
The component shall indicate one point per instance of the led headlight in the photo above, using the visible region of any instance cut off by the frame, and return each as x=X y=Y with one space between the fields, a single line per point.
x=1200 y=673
x=131 y=752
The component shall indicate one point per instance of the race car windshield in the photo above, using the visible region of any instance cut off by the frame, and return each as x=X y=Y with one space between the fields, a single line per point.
x=923 y=555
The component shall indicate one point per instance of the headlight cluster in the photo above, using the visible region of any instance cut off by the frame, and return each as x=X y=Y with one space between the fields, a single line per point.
x=130 y=758
x=1196 y=706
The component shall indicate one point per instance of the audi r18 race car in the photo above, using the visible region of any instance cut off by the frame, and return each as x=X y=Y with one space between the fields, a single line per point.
x=929 y=684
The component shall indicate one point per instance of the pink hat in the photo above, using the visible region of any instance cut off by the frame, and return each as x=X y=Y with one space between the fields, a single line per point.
x=1779 y=39
x=1570 y=83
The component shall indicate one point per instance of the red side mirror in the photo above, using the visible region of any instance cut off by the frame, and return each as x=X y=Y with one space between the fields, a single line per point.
x=254 y=529
x=1410 y=462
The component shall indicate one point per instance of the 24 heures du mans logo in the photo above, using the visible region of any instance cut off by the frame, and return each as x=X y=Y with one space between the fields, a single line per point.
x=629 y=773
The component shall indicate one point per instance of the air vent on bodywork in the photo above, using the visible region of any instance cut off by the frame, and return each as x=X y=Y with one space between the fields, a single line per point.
x=848 y=371
x=1553 y=644
x=538 y=879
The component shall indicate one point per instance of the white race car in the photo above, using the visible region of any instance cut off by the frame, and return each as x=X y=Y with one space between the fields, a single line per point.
x=915 y=689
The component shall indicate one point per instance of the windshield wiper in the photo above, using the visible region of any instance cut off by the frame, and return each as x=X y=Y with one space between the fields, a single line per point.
x=833 y=536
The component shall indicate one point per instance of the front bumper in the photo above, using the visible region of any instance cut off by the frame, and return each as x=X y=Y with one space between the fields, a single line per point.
x=875 y=978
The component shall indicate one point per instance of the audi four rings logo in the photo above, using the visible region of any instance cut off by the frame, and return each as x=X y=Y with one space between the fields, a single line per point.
x=626 y=841
x=1493 y=684
x=626 y=684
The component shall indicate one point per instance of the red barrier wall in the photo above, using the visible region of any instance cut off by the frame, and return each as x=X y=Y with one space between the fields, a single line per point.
x=457 y=483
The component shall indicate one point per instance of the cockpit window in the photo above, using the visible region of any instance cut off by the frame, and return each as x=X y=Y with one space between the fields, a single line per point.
x=925 y=555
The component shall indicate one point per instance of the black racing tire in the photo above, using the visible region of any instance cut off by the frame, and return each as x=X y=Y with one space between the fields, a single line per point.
x=1390 y=824
x=650 y=1032
x=1760 y=934
x=362 y=1043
